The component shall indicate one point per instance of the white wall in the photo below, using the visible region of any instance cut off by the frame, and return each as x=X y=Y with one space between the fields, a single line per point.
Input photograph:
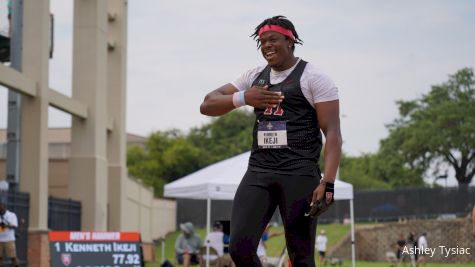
x=153 y=218
x=163 y=217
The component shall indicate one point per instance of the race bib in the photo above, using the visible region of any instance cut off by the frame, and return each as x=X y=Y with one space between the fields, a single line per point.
x=272 y=134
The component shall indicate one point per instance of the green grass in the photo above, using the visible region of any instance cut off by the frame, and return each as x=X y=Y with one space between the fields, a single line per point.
x=274 y=246
x=376 y=264
x=334 y=232
x=385 y=264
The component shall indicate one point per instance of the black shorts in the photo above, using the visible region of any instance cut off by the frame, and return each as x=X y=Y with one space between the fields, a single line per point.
x=322 y=253
x=193 y=260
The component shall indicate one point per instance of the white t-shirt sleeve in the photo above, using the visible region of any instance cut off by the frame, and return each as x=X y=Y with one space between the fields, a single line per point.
x=244 y=81
x=14 y=221
x=324 y=89
x=317 y=86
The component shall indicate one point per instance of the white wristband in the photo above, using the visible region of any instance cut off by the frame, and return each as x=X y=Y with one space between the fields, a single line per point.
x=238 y=99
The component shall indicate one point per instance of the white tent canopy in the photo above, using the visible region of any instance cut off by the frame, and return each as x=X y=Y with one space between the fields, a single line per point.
x=220 y=181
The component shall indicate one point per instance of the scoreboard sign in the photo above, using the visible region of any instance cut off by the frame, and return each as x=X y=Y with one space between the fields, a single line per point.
x=95 y=249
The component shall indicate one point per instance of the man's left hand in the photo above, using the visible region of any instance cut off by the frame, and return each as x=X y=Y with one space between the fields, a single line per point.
x=322 y=199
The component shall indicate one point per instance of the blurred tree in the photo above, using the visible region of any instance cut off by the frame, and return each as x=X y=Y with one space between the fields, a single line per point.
x=167 y=155
x=360 y=172
x=378 y=171
x=437 y=128
x=391 y=167
x=170 y=155
x=225 y=136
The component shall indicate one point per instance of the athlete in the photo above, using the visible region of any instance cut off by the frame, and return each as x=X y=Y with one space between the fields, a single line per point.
x=294 y=102
x=473 y=221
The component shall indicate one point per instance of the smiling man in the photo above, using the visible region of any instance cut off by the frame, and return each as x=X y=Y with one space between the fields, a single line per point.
x=294 y=102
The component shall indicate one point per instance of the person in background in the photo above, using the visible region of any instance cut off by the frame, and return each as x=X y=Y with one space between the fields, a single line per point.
x=9 y=16
x=262 y=246
x=401 y=243
x=321 y=245
x=187 y=245
x=216 y=239
x=8 y=224
x=473 y=221
x=422 y=245
x=412 y=243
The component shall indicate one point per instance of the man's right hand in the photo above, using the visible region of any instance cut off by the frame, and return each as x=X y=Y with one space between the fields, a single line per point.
x=261 y=97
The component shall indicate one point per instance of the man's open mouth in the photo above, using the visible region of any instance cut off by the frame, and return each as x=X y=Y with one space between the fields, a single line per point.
x=269 y=55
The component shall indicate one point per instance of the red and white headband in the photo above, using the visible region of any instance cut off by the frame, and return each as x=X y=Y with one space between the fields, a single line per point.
x=276 y=28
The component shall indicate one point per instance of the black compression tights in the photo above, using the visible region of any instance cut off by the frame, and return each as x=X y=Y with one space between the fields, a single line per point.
x=257 y=197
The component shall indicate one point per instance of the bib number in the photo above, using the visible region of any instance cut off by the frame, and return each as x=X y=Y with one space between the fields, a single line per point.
x=272 y=134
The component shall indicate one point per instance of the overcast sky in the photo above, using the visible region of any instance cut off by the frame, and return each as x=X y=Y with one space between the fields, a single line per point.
x=377 y=52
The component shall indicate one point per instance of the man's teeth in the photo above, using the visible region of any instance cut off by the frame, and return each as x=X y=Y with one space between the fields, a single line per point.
x=270 y=53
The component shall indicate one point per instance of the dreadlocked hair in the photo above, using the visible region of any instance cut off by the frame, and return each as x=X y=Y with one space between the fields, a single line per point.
x=281 y=21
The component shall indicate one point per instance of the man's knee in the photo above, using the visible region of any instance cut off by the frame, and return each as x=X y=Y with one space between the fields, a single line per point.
x=181 y=258
x=303 y=261
x=302 y=257
x=242 y=252
x=239 y=249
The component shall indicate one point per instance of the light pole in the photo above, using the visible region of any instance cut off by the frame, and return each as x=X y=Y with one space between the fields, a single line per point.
x=444 y=176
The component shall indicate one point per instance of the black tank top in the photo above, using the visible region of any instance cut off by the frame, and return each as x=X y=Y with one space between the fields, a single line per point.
x=303 y=131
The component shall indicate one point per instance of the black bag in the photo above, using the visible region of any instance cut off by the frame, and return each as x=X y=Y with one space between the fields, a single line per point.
x=166 y=264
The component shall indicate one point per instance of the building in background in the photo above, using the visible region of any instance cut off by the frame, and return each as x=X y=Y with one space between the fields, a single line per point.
x=88 y=162
x=152 y=217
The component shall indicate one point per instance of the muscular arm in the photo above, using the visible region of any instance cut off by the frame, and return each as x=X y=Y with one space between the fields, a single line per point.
x=328 y=114
x=219 y=101
x=178 y=245
x=329 y=118
x=11 y=222
x=275 y=234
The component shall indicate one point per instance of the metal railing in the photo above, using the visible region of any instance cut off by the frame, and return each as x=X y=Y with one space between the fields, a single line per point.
x=64 y=214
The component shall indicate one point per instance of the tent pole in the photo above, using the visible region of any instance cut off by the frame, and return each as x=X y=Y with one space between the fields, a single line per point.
x=208 y=226
x=163 y=250
x=352 y=215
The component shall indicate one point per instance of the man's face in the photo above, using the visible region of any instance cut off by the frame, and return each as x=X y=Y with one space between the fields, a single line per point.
x=276 y=49
x=187 y=234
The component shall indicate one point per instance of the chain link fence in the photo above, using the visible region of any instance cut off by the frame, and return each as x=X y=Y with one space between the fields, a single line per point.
x=369 y=205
